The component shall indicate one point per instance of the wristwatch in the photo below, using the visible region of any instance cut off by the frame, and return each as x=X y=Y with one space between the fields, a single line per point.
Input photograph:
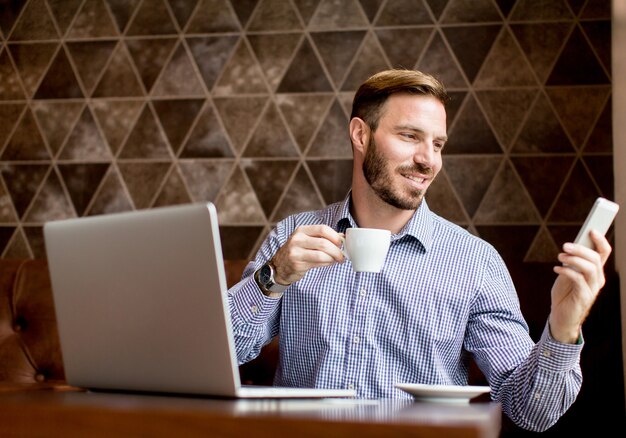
x=264 y=277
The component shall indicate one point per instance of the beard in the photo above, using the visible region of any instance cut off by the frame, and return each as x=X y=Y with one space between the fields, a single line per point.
x=380 y=179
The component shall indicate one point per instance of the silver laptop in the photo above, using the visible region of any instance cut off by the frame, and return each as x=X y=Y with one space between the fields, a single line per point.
x=141 y=304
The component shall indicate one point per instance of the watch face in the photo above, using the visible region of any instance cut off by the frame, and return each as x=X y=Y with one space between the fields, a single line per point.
x=265 y=275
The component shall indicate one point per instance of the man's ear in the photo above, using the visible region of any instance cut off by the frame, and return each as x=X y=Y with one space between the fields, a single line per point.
x=359 y=133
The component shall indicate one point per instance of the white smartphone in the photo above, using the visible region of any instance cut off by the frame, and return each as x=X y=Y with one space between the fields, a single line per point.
x=599 y=218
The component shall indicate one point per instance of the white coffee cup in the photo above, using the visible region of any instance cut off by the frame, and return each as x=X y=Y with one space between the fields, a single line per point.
x=366 y=248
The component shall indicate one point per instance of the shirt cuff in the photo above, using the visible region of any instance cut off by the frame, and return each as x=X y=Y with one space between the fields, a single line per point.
x=556 y=356
x=252 y=306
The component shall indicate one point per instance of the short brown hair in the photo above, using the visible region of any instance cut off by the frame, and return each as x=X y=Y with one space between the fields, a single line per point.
x=374 y=92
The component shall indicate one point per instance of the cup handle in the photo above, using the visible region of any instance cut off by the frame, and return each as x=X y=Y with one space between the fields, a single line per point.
x=343 y=246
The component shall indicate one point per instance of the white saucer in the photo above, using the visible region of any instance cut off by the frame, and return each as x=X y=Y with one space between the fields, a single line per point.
x=443 y=393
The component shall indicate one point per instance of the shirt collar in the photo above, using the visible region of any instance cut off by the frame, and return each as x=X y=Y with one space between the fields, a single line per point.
x=419 y=227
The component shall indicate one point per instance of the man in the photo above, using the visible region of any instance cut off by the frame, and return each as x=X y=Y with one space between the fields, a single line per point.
x=443 y=295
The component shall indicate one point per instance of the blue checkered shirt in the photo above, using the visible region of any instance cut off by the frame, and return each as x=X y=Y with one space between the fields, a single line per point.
x=443 y=295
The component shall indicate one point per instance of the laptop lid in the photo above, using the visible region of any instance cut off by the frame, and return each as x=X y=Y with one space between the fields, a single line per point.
x=140 y=300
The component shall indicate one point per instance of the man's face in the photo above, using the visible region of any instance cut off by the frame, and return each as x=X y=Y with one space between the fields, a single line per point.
x=403 y=156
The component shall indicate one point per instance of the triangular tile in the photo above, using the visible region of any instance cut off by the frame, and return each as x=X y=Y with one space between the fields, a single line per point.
x=150 y=56
x=56 y=120
x=371 y=8
x=93 y=21
x=146 y=139
x=34 y=235
x=478 y=169
x=442 y=200
x=10 y=88
x=304 y=114
x=239 y=242
x=599 y=35
x=26 y=142
x=179 y=77
x=34 y=23
x=241 y=75
x=7 y=213
x=512 y=242
x=506 y=6
x=9 y=11
x=82 y=181
x=543 y=177
x=471 y=133
x=305 y=74
x=301 y=195
x=116 y=117
x=331 y=14
x=119 y=79
x=541 y=43
x=597 y=10
x=112 y=196
x=204 y=178
x=51 y=202
x=404 y=13
x=207 y=139
x=85 y=141
x=6 y=233
x=567 y=69
x=183 y=9
x=268 y=190
x=404 y=46
x=578 y=108
x=369 y=60
x=462 y=11
x=239 y=116
x=152 y=18
x=506 y=65
x=576 y=5
x=598 y=166
x=306 y=8
x=177 y=117
x=345 y=99
x=564 y=233
x=60 y=81
x=506 y=200
x=543 y=249
x=17 y=248
x=31 y=61
x=332 y=138
x=542 y=132
x=527 y=10
x=439 y=62
x=578 y=194
x=333 y=178
x=122 y=10
x=173 y=191
x=211 y=54
x=506 y=110
x=213 y=16
x=22 y=182
x=9 y=114
x=237 y=203
x=471 y=44
x=90 y=57
x=270 y=138
x=454 y=104
x=143 y=180
x=337 y=49
x=601 y=138
x=274 y=51
x=274 y=15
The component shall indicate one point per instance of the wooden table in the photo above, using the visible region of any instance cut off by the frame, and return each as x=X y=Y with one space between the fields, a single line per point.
x=62 y=411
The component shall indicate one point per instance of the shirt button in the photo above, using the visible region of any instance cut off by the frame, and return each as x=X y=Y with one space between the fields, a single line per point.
x=356 y=339
x=546 y=353
x=537 y=395
x=363 y=292
x=351 y=386
x=254 y=309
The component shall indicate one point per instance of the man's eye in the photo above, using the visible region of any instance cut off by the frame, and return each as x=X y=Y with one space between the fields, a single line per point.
x=408 y=135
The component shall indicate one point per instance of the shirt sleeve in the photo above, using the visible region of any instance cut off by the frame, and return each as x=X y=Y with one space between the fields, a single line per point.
x=535 y=383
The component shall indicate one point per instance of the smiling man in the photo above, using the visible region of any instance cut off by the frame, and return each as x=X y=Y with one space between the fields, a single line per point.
x=442 y=297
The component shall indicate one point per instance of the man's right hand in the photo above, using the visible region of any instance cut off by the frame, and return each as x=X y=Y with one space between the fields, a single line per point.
x=308 y=247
